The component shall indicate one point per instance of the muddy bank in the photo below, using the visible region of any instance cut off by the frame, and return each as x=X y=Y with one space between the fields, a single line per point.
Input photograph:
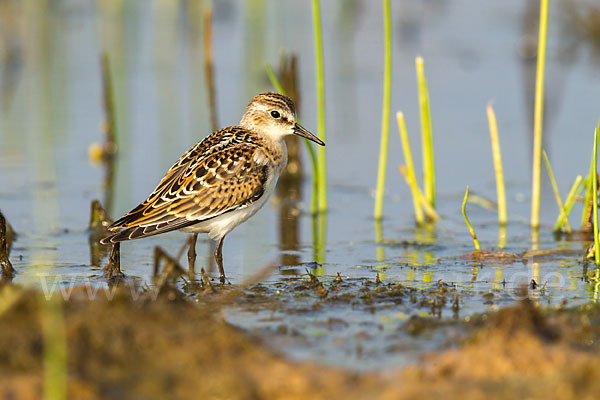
x=172 y=347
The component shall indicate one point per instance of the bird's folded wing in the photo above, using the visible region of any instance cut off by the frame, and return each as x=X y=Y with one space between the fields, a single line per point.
x=196 y=191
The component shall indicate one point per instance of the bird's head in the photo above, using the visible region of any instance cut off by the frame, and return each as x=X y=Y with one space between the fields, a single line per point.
x=274 y=115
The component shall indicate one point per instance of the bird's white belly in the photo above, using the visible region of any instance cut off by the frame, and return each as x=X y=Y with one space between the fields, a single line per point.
x=223 y=224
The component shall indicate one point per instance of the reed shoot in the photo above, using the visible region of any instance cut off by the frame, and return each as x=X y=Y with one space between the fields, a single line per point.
x=273 y=78
x=595 y=196
x=464 y=213
x=385 y=110
x=430 y=212
x=322 y=182
x=410 y=169
x=498 y=169
x=587 y=202
x=561 y=207
x=574 y=193
x=426 y=134
x=538 y=116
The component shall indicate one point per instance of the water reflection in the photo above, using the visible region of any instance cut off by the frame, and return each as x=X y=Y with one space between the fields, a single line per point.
x=51 y=106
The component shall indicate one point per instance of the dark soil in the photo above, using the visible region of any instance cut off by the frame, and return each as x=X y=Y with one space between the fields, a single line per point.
x=134 y=346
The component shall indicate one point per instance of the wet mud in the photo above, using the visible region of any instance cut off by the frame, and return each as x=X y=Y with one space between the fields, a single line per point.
x=139 y=345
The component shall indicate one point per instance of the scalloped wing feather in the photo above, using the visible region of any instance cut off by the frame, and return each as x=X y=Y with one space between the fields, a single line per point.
x=224 y=172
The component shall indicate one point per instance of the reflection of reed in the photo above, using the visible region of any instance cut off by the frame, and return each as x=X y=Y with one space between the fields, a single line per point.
x=289 y=190
x=319 y=225
x=380 y=257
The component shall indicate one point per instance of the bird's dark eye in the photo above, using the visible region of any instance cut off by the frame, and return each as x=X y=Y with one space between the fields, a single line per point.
x=275 y=114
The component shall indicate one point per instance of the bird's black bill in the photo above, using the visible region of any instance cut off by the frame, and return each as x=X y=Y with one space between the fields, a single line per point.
x=300 y=131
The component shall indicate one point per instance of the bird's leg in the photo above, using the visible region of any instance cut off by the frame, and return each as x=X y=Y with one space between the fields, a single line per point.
x=219 y=259
x=192 y=255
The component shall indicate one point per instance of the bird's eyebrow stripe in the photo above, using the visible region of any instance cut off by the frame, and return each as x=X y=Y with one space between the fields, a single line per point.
x=279 y=103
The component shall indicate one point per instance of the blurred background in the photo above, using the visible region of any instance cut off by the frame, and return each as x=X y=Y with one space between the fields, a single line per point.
x=475 y=52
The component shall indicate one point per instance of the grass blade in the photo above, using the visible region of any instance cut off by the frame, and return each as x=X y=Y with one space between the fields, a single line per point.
x=561 y=207
x=322 y=181
x=464 y=213
x=426 y=134
x=430 y=212
x=274 y=81
x=538 y=116
x=587 y=202
x=55 y=348
x=498 y=169
x=575 y=192
x=595 y=196
x=410 y=168
x=385 y=112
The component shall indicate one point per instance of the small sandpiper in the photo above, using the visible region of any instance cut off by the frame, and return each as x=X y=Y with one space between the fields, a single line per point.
x=221 y=181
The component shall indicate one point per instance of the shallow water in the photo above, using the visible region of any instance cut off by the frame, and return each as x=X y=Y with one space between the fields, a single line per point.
x=474 y=52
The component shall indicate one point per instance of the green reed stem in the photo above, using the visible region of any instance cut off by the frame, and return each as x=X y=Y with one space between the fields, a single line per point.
x=561 y=207
x=498 y=169
x=313 y=157
x=426 y=134
x=575 y=192
x=538 y=116
x=322 y=182
x=595 y=196
x=410 y=168
x=464 y=213
x=385 y=110
x=586 y=214
x=273 y=78
x=55 y=348
x=430 y=212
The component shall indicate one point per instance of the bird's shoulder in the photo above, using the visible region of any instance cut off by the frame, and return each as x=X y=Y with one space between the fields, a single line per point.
x=224 y=139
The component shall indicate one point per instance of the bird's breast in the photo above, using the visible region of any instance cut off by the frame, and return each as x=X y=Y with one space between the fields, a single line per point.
x=273 y=154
